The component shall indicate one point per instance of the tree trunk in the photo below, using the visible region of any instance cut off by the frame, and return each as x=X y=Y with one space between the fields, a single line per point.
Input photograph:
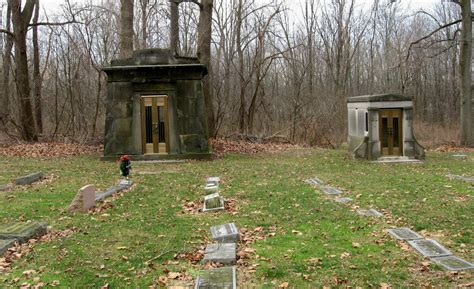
x=126 y=28
x=240 y=55
x=204 y=55
x=174 y=27
x=20 y=26
x=5 y=91
x=37 y=78
x=466 y=101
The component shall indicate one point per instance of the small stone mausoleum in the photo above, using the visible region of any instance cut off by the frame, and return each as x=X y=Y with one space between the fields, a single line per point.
x=155 y=107
x=381 y=126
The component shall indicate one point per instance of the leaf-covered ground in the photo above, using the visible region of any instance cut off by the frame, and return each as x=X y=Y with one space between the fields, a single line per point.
x=292 y=235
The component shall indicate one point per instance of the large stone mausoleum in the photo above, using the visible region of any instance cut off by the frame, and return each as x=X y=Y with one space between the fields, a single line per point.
x=381 y=126
x=155 y=107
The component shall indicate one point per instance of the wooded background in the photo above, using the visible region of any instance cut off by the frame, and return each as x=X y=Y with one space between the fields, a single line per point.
x=273 y=71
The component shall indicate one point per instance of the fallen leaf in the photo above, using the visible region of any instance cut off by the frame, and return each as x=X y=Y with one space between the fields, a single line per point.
x=385 y=286
x=284 y=285
x=355 y=245
x=345 y=255
x=173 y=275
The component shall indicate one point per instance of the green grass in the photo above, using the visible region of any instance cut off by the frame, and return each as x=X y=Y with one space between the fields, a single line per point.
x=269 y=191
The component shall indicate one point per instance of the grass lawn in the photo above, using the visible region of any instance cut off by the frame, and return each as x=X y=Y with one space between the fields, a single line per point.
x=310 y=239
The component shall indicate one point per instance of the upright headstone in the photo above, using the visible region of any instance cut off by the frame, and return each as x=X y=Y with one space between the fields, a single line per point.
x=224 y=253
x=227 y=233
x=222 y=278
x=26 y=180
x=22 y=231
x=213 y=202
x=84 y=199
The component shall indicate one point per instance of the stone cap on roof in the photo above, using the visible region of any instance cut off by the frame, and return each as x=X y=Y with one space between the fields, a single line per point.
x=379 y=98
x=154 y=56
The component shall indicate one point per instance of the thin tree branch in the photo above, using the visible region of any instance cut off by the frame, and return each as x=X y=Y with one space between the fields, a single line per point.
x=7 y=32
x=429 y=35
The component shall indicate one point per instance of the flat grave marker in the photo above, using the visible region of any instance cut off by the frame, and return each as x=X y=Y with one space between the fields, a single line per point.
x=7 y=187
x=213 y=202
x=343 y=200
x=453 y=263
x=227 y=233
x=462 y=178
x=429 y=248
x=404 y=234
x=222 y=278
x=22 y=231
x=369 y=213
x=224 y=253
x=211 y=189
x=459 y=155
x=213 y=181
x=314 y=182
x=5 y=244
x=331 y=191
x=110 y=191
x=26 y=180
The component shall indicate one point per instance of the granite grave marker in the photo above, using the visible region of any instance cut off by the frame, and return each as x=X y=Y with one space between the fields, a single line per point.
x=5 y=244
x=404 y=234
x=227 y=233
x=222 y=278
x=26 y=180
x=429 y=248
x=22 y=231
x=331 y=191
x=213 y=202
x=453 y=263
x=224 y=253
x=369 y=213
x=314 y=181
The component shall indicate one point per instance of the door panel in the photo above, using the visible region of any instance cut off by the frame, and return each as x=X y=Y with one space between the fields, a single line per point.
x=391 y=132
x=154 y=110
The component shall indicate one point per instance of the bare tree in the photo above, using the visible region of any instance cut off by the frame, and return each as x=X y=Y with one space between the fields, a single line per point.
x=126 y=28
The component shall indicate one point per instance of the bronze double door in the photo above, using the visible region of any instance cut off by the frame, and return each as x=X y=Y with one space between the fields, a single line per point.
x=391 y=134
x=154 y=115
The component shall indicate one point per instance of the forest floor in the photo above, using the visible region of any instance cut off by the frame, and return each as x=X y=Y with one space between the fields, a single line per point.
x=293 y=236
